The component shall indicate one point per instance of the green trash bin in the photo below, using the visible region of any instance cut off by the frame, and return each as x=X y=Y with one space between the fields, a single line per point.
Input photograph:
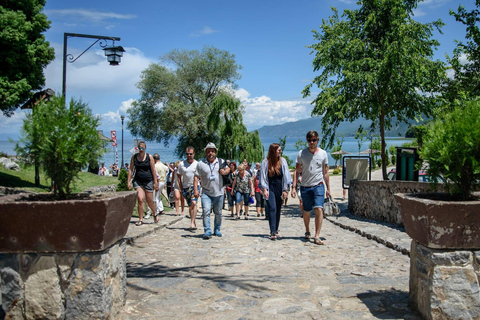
x=406 y=160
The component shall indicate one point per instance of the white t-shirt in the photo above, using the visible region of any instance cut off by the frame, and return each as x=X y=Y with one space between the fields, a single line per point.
x=187 y=172
x=312 y=166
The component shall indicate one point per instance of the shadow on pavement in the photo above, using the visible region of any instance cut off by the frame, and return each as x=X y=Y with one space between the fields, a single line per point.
x=159 y=272
x=388 y=304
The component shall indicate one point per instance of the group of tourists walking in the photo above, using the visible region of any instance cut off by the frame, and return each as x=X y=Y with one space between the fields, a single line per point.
x=212 y=178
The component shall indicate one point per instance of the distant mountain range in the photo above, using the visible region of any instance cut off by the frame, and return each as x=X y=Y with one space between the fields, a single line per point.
x=298 y=129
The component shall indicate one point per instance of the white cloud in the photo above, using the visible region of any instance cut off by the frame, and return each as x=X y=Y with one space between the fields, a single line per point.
x=261 y=111
x=205 y=31
x=92 y=16
x=424 y=6
x=112 y=117
x=92 y=74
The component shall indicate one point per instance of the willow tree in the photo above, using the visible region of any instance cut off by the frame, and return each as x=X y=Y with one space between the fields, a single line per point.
x=235 y=142
x=375 y=62
x=176 y=96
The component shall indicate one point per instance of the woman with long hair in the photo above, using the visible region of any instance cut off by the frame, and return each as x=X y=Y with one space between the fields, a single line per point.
x=274 y=181
x=145 y=180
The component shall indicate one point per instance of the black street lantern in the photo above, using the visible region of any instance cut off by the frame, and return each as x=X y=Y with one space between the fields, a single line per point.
x=114 y=55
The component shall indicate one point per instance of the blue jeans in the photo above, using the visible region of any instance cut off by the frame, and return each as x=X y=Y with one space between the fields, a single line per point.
x=207 y=202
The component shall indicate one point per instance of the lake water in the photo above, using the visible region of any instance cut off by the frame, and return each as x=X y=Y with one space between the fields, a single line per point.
x=167 y=153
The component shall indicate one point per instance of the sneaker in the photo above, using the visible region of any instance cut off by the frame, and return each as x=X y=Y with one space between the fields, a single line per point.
x=218 y=234
x=207 y=236
x=147 y=216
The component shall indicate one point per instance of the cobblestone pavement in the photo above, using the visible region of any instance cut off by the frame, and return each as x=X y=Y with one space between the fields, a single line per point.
x=174 y=273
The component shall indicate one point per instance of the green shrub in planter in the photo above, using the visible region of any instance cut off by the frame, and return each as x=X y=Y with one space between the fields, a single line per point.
x=336 y=171
x=123 y=179
x=451 y=147
x=62 y=139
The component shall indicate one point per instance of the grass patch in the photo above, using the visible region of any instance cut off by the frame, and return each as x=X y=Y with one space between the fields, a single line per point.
x=25 y=179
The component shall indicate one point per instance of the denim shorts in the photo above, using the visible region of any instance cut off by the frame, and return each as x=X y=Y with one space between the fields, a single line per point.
x=245 y=197
x=147 y=186
x=313 y=197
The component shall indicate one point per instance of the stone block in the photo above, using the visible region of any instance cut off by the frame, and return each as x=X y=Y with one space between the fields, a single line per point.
x=62 y=285
x=444 y=283
x=43 y=295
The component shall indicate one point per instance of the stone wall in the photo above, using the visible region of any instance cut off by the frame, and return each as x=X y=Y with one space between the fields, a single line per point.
x=444 y=284
x=86 y=285
x=374 y=199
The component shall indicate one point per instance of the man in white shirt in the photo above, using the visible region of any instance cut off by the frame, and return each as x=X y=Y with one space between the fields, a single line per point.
x=312 y=162
x=161 y=177
x=210 y=171
x=186 y=175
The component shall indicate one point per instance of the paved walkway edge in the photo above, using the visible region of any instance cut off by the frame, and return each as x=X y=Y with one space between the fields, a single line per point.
x=395 y=246
x=130 y=240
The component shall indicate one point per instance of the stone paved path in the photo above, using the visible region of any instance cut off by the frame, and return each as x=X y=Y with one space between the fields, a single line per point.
x=175 y=274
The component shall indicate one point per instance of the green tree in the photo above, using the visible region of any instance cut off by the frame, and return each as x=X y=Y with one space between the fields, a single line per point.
x=24 y=53
x=466 y=81
x=375 y=63
x=300 y=144
x=283 y=143
x=235 y=142
x=337 y=147
x=64 y=139
x=360 y=135
x=176 y=96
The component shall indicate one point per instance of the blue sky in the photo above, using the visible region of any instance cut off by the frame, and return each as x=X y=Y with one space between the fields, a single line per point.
x=268 y=38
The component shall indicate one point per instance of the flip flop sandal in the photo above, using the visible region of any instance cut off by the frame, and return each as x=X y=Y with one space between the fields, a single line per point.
x=156 y=218
x=318 y=241
x=139 y=223
x=307 y=235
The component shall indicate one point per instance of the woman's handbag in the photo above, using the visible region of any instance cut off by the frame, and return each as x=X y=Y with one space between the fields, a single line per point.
x=330 y=208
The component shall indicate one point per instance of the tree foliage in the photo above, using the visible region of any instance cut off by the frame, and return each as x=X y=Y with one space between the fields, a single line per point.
x=466 y=81
x=24 y=53
x=375 y=63
x=176 y=96
x=452 y=148
x=235 y=142
x=62 y=139
x=337 y=147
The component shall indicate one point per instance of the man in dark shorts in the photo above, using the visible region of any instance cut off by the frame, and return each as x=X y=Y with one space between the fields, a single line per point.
x=312 y=162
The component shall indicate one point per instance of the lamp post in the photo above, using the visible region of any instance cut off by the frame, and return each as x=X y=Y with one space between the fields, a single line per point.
x=123 y=118
x=113 y=53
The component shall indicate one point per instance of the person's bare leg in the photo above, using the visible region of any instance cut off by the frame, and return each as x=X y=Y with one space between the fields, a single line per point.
x=151 y=204
x=318 y=221
x=182 y=202
x=237 y=209
x=306 y=221
x=193 y=214
x=177 y=200
x=140 y=199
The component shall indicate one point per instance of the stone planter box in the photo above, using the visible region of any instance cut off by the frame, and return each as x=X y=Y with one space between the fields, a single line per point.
x=441 y=224
x=64 y=226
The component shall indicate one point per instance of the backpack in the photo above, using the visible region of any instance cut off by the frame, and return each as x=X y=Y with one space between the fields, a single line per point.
x=227 y=179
